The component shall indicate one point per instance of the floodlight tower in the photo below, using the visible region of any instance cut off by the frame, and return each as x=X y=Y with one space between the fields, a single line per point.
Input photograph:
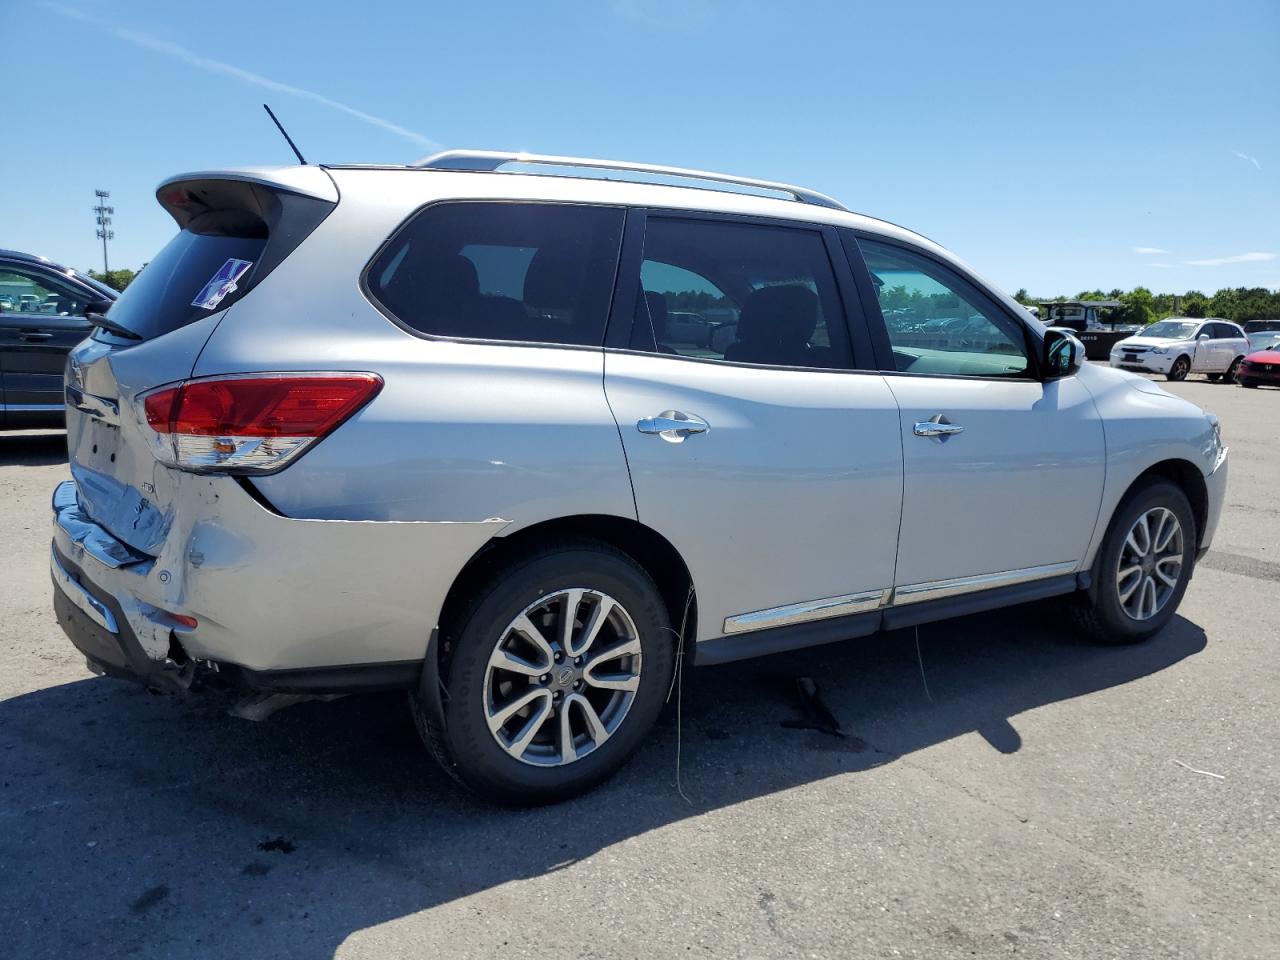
x=105 y=232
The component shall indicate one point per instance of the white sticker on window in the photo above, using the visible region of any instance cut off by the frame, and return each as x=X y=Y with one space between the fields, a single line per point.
x=223 y=283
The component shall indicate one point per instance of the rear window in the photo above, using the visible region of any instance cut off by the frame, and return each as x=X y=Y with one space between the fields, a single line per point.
x=529 y=272
x=233 y=234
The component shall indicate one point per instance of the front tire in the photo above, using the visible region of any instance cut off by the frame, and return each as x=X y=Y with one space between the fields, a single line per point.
x=1248 y=385
x=1181 y=367
x=557 y=670
x=1142 y=568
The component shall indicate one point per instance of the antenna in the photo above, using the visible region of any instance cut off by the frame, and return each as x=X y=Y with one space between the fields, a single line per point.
x=279 y=126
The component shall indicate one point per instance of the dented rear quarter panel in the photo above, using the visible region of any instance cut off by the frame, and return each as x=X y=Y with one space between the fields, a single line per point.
x=271 y=592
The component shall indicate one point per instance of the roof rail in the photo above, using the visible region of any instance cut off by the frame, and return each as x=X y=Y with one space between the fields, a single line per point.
x=491 y=160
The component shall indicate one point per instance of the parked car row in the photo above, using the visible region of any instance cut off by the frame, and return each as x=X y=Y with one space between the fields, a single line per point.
x=42 y=316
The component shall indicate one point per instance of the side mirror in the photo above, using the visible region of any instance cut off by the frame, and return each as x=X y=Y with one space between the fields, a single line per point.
x=98 y=307
x=1203 y=336
x=1062 y=355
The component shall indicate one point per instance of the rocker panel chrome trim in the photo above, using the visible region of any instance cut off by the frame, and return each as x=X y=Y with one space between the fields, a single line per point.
x=809 y=610
x=937 y=589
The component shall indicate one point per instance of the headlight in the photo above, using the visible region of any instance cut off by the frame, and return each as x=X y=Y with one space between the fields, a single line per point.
x=1159 y=349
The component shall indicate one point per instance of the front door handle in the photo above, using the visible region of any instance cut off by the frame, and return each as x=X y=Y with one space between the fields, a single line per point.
x=34 y=336
x=938 y=427
x=672 y=425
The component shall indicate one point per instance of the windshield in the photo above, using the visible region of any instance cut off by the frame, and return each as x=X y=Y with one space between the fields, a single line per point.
x=1173 y=329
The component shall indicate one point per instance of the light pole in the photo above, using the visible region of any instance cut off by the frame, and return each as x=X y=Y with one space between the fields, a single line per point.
x=105 y=232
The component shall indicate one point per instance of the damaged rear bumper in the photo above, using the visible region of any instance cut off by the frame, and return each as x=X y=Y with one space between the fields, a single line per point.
x=280 y=604
x=97 y=626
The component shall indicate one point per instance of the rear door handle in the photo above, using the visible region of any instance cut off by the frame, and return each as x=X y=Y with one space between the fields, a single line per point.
x=672 y=425
x=938 y=427
x=34 y=336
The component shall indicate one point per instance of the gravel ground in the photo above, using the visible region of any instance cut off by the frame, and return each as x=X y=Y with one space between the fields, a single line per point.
x=1026 y=803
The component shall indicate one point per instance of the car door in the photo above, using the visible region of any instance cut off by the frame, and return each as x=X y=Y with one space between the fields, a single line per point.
x=41 y=319
x=1206 y=354
x=760 y=452
x=1003 y=472
x=1232 y=343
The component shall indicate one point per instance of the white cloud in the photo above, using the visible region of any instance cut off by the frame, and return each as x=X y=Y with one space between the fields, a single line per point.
x=1255 y=257
x=1248 y=159
x=209 y=65
x=1149 y=250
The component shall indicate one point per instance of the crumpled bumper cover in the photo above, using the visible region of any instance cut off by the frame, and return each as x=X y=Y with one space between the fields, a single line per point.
x=294 y=604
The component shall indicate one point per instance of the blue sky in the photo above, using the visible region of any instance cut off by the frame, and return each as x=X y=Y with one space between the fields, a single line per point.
x=1056 y=146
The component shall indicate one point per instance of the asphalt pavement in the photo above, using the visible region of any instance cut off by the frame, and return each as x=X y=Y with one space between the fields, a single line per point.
x=1013 y=792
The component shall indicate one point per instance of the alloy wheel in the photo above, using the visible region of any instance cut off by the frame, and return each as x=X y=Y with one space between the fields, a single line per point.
x=562 y=677
x=1150 y=564
x=1181 y=367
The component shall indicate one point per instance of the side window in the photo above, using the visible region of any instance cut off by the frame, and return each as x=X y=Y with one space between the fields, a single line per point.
x=34 y=291
x=739 y=292
x=530 y=272
x=935 y=325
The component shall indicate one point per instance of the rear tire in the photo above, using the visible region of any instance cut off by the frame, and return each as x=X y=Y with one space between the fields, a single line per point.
x=1181 y=367
x=1230 y=375
x=1213 y=377
x=609 y=675
x=1130 y=597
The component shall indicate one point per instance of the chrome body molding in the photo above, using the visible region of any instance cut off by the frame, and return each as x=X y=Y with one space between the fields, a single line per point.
x=869 y=600
x=100 y=408
x=92 y=608
x=937 y=589
x=804 y=612
x=30 y=407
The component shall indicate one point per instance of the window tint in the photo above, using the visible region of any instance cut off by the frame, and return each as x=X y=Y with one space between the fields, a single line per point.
x=35 y=291
x=935 y=325
x=739 y=292
x=233 y=234
x=534 y=272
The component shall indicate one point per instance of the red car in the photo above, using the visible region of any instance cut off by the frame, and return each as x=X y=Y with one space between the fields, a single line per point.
x=1261 y=367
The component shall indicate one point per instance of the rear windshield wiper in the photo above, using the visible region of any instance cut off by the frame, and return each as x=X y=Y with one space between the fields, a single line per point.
x=100 y=320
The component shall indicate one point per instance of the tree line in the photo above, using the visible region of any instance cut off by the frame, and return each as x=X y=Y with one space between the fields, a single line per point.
x=1141 y=306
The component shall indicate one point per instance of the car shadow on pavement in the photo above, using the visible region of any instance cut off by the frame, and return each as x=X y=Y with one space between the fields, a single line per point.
x=146 y=825
x=33 y=449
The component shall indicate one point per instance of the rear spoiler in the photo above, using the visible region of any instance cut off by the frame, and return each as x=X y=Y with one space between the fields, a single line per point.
x=176 y=193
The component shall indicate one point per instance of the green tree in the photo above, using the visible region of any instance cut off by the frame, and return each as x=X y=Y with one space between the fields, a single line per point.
x=1195 y=304
x=115 y=279
x=1139 y=307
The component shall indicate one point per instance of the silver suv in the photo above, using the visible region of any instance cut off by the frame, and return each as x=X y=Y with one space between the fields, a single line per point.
x=433 y=428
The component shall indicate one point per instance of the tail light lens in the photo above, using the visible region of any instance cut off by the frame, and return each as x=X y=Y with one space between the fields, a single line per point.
x=251 y=424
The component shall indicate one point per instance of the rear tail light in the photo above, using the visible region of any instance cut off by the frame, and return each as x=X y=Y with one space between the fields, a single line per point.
x=251 y=424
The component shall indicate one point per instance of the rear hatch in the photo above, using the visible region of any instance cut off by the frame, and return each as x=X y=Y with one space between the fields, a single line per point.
x=234 y=229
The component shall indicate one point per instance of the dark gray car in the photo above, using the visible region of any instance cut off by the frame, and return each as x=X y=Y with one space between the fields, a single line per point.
x=42 y=316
